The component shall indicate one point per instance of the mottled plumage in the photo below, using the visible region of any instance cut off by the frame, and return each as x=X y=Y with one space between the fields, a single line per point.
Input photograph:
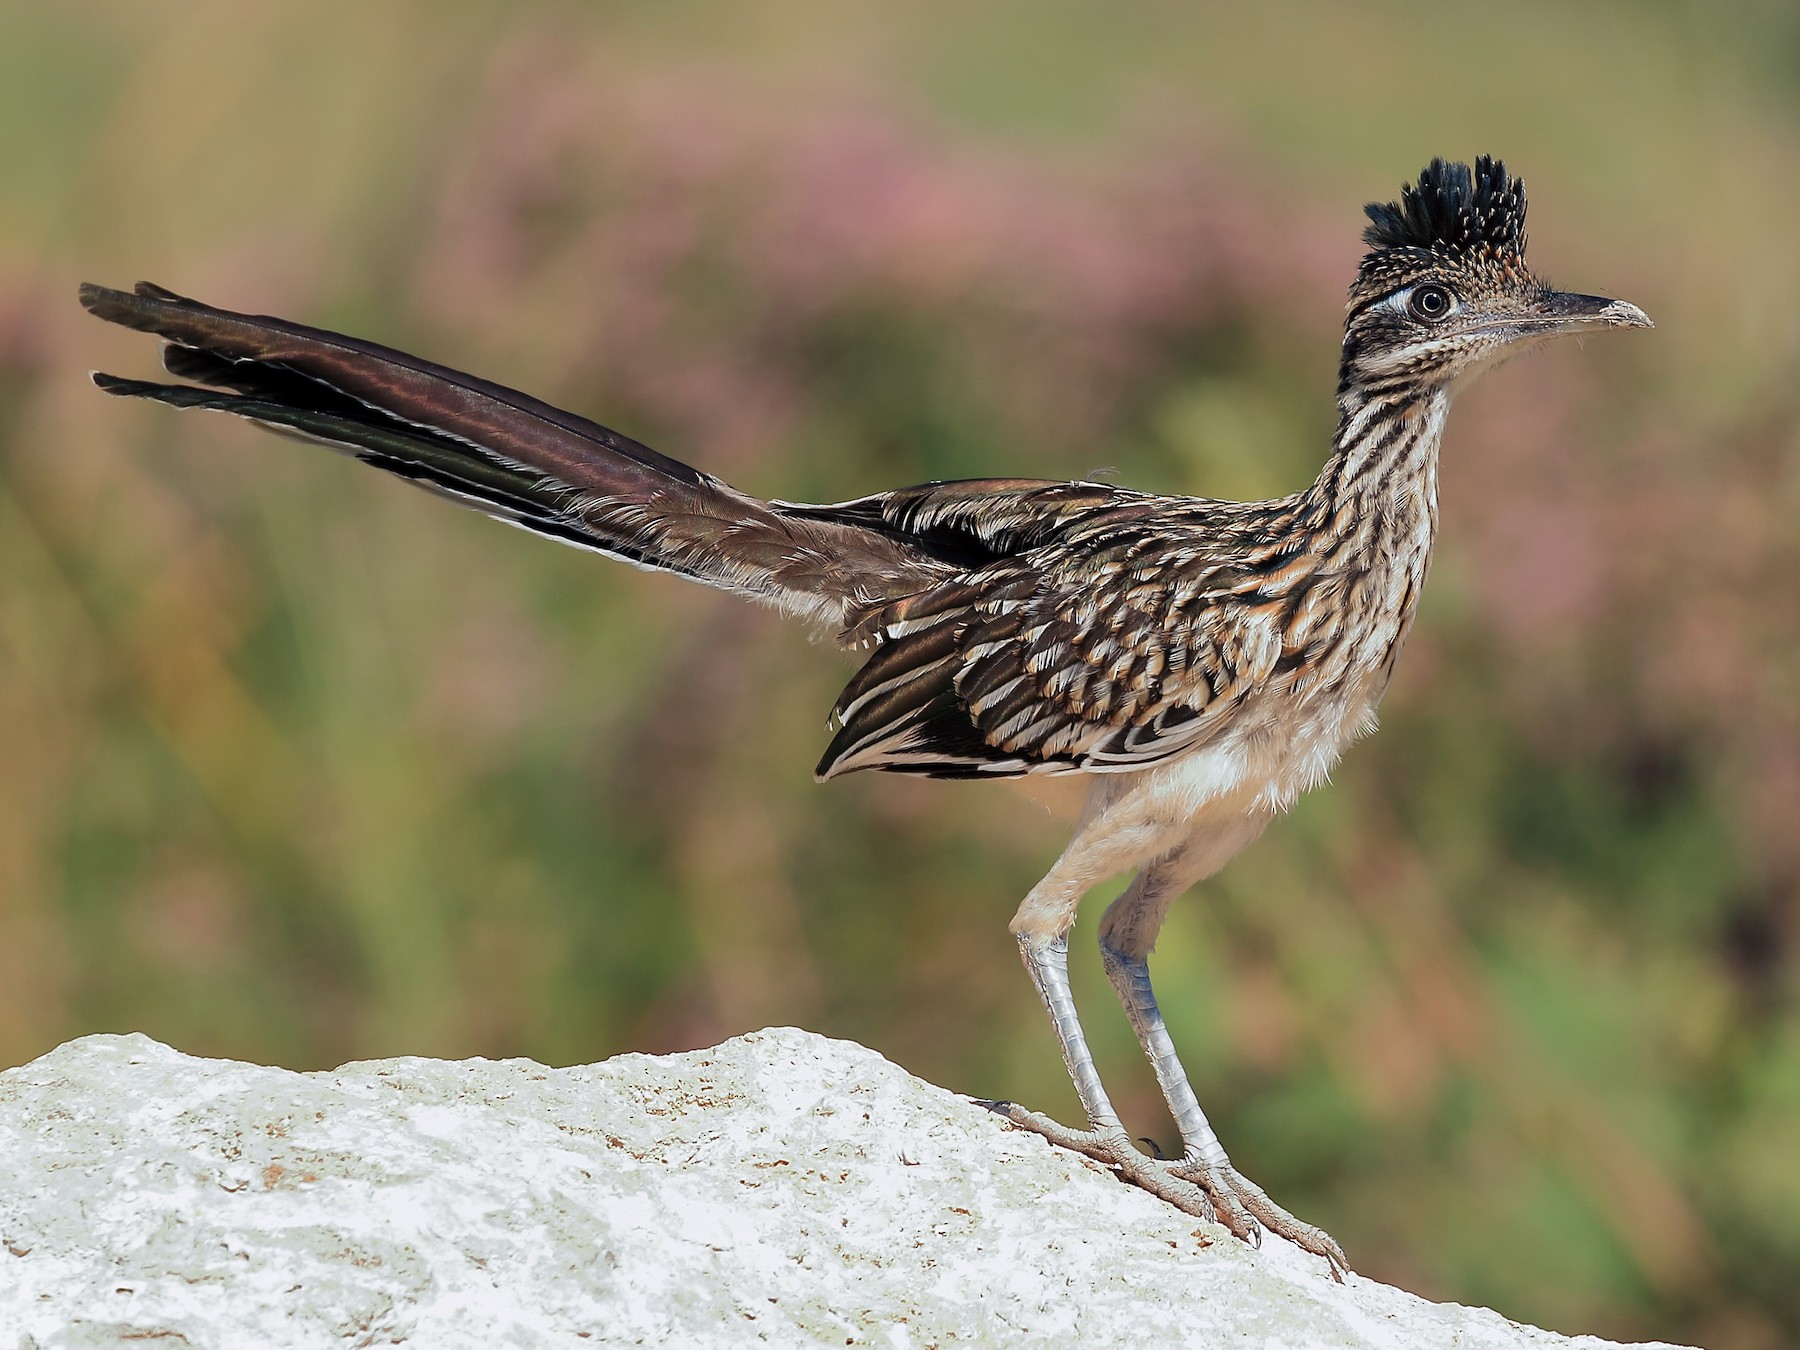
x=1203 y=661
x=1130 y=632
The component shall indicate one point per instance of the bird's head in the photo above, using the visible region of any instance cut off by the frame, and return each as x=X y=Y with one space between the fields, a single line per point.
x=1444 y=290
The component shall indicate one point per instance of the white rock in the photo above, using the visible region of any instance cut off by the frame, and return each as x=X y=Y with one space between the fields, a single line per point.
x=780 y=1189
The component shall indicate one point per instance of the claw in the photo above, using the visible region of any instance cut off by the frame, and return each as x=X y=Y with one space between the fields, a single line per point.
x=1240 y=1218
x=1264 y=1212
x=1219 y=1194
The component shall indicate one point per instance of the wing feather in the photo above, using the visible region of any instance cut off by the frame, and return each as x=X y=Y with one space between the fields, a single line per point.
x=1117 y=639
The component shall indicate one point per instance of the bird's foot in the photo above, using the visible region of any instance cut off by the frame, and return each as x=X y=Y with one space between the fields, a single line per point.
x=1115 y=1149
x=1224 y=1180
x=1212 y=1191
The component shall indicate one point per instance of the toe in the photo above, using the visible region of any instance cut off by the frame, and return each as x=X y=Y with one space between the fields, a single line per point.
x=1218 y=1183
x=1236 y=1196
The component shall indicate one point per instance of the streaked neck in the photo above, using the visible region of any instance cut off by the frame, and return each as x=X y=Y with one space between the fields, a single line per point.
x=1384 y=454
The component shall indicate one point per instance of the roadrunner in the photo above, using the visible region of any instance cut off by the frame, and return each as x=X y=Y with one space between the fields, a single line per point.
x=1203 y=662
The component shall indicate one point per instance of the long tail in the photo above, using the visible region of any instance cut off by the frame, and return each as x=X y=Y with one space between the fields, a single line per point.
x=509 y=455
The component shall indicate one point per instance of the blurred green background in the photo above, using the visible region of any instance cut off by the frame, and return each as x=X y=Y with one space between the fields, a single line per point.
x=299 y=766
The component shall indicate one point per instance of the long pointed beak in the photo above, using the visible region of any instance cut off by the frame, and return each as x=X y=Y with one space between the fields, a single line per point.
x=1565 y=312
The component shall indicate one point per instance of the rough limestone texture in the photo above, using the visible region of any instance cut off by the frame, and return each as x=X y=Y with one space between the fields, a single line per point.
x=780 y=1189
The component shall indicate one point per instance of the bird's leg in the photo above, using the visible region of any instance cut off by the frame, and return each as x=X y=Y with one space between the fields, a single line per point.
x=1042 y=928
x=1048 y=965
x=1126 y=933
x=1105 y=1138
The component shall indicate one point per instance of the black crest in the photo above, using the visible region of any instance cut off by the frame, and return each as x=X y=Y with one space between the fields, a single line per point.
x=1452 y=210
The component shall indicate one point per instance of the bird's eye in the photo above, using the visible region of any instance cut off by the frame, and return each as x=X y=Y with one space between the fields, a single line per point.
x=1430 y=303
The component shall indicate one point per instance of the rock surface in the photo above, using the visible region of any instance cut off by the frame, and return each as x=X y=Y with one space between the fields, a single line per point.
x=779 y=1189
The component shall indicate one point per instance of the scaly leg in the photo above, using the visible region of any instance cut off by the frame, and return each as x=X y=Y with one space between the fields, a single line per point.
x=1126 y=932
x=1114 y=835
x=1102 y=847
x=1203 y=1158
x=1105 y=1139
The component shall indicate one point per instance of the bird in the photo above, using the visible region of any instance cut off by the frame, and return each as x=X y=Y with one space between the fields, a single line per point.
x=1199 y=662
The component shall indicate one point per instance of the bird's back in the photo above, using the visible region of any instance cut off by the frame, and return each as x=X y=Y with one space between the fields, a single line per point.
x=1110 y=631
